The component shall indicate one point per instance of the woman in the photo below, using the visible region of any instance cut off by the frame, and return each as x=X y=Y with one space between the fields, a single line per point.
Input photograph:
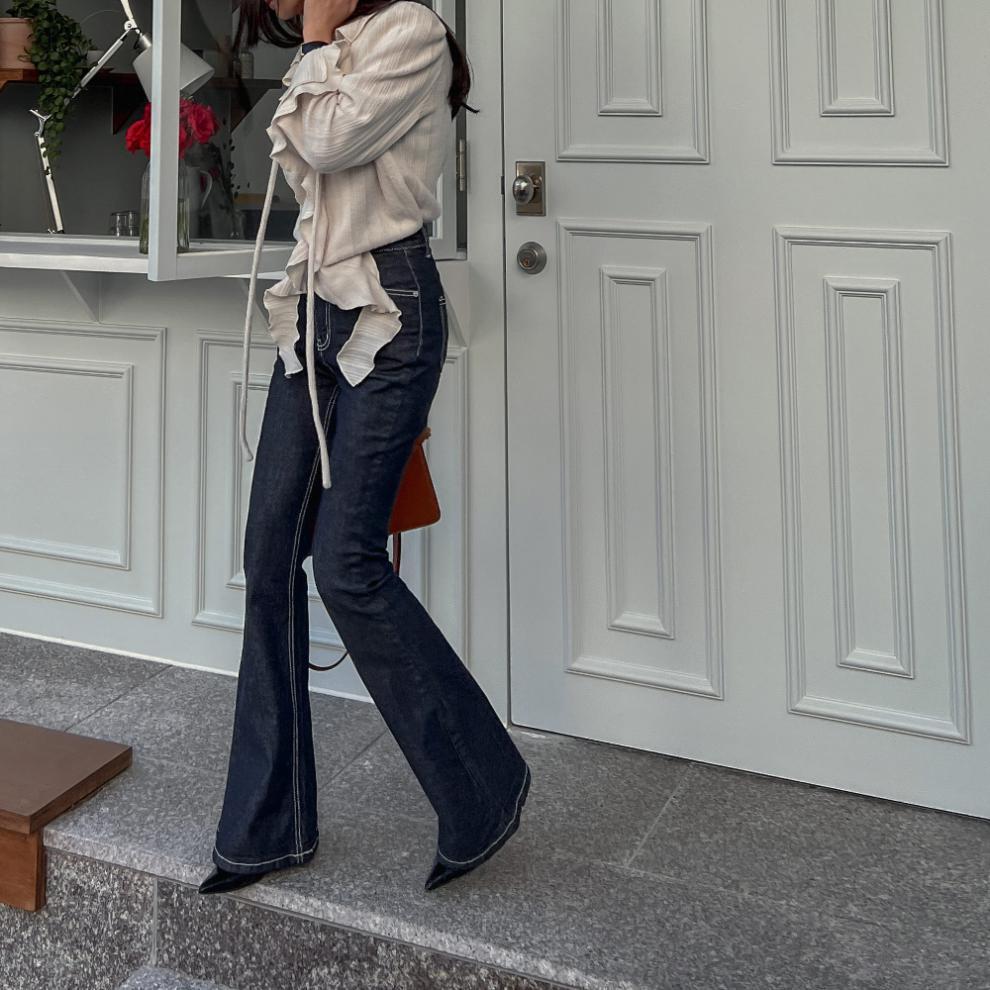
x=361 y=133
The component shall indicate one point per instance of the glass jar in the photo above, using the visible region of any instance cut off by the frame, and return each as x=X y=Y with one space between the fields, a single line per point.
x=182 y=219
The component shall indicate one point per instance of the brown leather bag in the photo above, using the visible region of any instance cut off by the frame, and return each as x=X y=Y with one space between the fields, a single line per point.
x=415 y=505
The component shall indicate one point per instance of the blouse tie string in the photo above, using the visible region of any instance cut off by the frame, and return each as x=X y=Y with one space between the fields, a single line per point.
x=310 y=323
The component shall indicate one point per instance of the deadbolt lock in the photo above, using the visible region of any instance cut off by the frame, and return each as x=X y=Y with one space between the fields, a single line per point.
x=531 y=257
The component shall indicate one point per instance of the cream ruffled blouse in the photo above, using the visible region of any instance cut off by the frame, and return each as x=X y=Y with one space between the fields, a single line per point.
x=362 y=133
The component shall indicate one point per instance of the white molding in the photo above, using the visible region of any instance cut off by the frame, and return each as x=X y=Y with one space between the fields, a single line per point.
x=900 y=661
x=660 y=623
x=570 y=150
x=116 y=557
x=881 y=102
x=785 y=151
x=650 y=104
x=711 y=683
x=150 y=603
x=956 y=727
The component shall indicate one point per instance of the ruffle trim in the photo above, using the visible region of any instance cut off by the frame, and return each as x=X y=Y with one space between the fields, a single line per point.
x=349 y=283
x=311 y=74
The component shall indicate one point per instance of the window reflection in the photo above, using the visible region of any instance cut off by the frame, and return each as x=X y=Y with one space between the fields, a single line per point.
x=98 y=179
x=243 y=94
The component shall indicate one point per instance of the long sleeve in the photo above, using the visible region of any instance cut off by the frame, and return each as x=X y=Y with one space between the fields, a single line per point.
x=328 y=120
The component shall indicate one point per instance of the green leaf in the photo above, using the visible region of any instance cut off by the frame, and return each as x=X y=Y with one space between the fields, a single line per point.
x=59 y=52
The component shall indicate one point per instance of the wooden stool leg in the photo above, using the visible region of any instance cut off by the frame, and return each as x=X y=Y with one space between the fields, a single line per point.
x=22 y=870
x=45 y=772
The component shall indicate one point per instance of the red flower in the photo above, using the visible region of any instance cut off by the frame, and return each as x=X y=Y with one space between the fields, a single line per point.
x=197 y=124
x=138 y=137
x=202 y=122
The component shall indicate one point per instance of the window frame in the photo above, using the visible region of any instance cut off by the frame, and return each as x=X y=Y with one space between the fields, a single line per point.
x=233 y=258
x=211 y=257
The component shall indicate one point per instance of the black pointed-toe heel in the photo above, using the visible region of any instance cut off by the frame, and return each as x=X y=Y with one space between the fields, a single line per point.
x=221 y=880
x=443 y=873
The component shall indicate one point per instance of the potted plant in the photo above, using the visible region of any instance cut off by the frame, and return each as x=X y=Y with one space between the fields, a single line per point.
x=57 y=49
x=15 y=40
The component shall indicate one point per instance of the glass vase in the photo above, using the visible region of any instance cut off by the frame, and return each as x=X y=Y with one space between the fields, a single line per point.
x=182 y=218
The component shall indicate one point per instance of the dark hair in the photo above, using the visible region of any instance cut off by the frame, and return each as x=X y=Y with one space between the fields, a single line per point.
x=256 y=20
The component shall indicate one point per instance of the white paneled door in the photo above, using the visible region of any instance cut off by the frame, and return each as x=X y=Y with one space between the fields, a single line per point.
x=747 y=410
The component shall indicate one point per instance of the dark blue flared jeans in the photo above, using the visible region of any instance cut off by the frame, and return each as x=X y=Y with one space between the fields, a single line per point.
x=455 y=743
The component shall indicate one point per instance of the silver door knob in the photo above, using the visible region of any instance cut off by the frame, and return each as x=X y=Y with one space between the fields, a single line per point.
x=529 y=189
x=523 y=189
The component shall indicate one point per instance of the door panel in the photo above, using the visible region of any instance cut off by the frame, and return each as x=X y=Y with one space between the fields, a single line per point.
x=745 y=526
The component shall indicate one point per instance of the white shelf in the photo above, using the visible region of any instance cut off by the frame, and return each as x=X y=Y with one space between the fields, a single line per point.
x=85 y=253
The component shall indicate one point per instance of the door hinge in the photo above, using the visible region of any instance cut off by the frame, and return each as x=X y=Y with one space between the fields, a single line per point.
x=461 y=166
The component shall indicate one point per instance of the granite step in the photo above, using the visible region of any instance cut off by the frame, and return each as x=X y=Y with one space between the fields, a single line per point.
x=159 y=978
x=109 y=927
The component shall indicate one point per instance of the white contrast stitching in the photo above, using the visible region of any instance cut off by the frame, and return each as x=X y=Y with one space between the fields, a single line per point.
x=465 y=862
x=417 y=243
x=292 y=637
x=419 y=342
x=263 y=862
x=329 y=328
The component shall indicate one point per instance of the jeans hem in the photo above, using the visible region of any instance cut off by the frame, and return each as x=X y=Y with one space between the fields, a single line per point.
x=504 y=833
x=264 y=865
